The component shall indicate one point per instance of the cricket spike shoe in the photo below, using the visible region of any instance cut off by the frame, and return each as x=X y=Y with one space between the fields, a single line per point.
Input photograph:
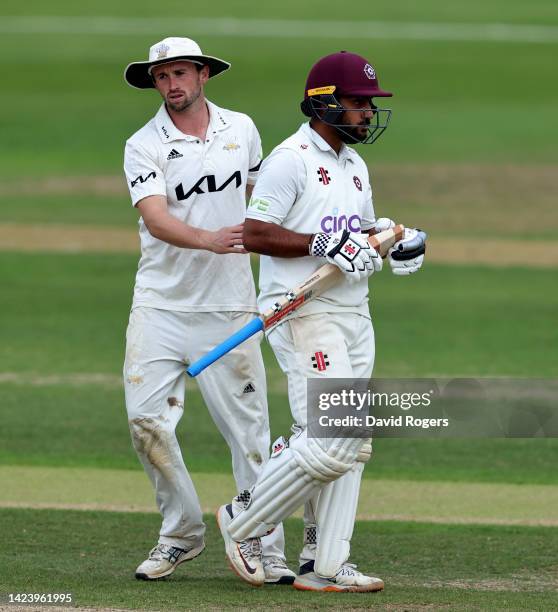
x=164 y=559
x=245 y=557
x=277 y=572
x=347 y=580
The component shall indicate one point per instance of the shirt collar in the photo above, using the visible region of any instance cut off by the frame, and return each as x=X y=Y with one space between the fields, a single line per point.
x=168 y=131
x=217 y=120
x=345 y=152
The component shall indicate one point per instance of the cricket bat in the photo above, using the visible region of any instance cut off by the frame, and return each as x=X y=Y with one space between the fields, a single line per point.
x=322 y=279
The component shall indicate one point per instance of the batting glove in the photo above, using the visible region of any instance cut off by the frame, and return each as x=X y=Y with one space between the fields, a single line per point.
x=407 y=255
x=350 y=252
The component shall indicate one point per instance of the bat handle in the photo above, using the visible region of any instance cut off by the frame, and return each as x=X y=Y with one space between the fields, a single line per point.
x=227 y=345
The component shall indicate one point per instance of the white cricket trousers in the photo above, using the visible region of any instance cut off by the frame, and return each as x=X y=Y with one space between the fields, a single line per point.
x=158 y=345
x=332 y=345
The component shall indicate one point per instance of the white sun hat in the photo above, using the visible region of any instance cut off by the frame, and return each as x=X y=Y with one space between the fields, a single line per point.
x=138 y=74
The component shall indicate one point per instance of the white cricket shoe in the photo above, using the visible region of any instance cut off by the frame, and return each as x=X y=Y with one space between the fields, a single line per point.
x=277 y=572
x=245 y=557
x=164 y=559
x=347 y=579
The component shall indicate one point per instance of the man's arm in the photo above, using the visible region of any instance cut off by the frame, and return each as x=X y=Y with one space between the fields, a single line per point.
x=272 y=239
x=249 y=190
x=167 y=228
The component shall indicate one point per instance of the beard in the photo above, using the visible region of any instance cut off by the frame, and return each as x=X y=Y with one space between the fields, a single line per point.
x=186 y=103
x=353 y=134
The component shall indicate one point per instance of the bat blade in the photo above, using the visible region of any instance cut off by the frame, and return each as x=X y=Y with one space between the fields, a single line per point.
x=322 y=279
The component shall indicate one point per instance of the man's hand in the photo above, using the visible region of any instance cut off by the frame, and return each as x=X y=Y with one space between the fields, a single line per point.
x=224 y=240
x=407 y=255
x=163 y=226
x=348 y=251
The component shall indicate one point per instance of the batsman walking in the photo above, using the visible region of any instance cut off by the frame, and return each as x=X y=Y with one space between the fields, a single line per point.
x=189 y=170
x=313 y=203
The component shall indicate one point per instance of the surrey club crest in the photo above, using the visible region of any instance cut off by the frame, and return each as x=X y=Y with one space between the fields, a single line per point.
x=162 y=51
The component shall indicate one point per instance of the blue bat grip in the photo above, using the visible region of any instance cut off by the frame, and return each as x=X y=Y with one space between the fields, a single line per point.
x=222 y=349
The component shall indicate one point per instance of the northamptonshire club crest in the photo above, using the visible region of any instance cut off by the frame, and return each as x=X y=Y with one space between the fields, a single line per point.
x=323 y=176
x=320 y=361
x=369 y=71
x=358 y=183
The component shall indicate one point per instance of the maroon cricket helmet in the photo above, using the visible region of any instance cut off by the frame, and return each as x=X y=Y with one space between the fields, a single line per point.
x=348 y=73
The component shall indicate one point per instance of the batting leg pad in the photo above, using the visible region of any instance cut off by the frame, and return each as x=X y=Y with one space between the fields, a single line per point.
x=335 y=516
x=290 y=478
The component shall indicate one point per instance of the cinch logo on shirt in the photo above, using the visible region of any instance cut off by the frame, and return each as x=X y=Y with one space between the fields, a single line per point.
x=334 y=223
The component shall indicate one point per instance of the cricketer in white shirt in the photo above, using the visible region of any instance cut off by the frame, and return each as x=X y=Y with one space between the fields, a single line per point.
x=205 y=186
x=304 y=186
x=312 y=202
x=185 y=302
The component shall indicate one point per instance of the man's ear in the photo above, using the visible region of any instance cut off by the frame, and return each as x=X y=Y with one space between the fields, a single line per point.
x=204 y=75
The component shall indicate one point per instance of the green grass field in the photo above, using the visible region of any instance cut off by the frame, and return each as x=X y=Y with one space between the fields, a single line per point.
x=455 y=101
x=449 y=524
x=477 y=567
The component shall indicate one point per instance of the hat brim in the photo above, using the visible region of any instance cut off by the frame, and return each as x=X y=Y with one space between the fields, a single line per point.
x=137 y=73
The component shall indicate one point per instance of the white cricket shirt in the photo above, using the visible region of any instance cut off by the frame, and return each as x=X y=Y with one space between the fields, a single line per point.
x=306 y=187
x=205 y=186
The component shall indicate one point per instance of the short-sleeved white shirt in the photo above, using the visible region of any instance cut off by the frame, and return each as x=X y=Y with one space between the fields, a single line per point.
x=205 y=186
x=306 y=187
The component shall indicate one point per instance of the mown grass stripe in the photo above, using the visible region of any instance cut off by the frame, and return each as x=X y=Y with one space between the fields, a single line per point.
x=282 y=28
x=104 y=239
x=401 y=500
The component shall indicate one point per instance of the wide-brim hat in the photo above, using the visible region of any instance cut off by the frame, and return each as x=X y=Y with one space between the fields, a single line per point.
x=138 y=74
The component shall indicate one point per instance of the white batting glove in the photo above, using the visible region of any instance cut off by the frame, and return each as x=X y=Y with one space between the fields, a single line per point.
x=406 y=255
x=350 y=252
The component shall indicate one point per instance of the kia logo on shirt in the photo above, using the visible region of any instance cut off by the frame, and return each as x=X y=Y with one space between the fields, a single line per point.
x=140 y=179
x=211 y=185
x=335 y=223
